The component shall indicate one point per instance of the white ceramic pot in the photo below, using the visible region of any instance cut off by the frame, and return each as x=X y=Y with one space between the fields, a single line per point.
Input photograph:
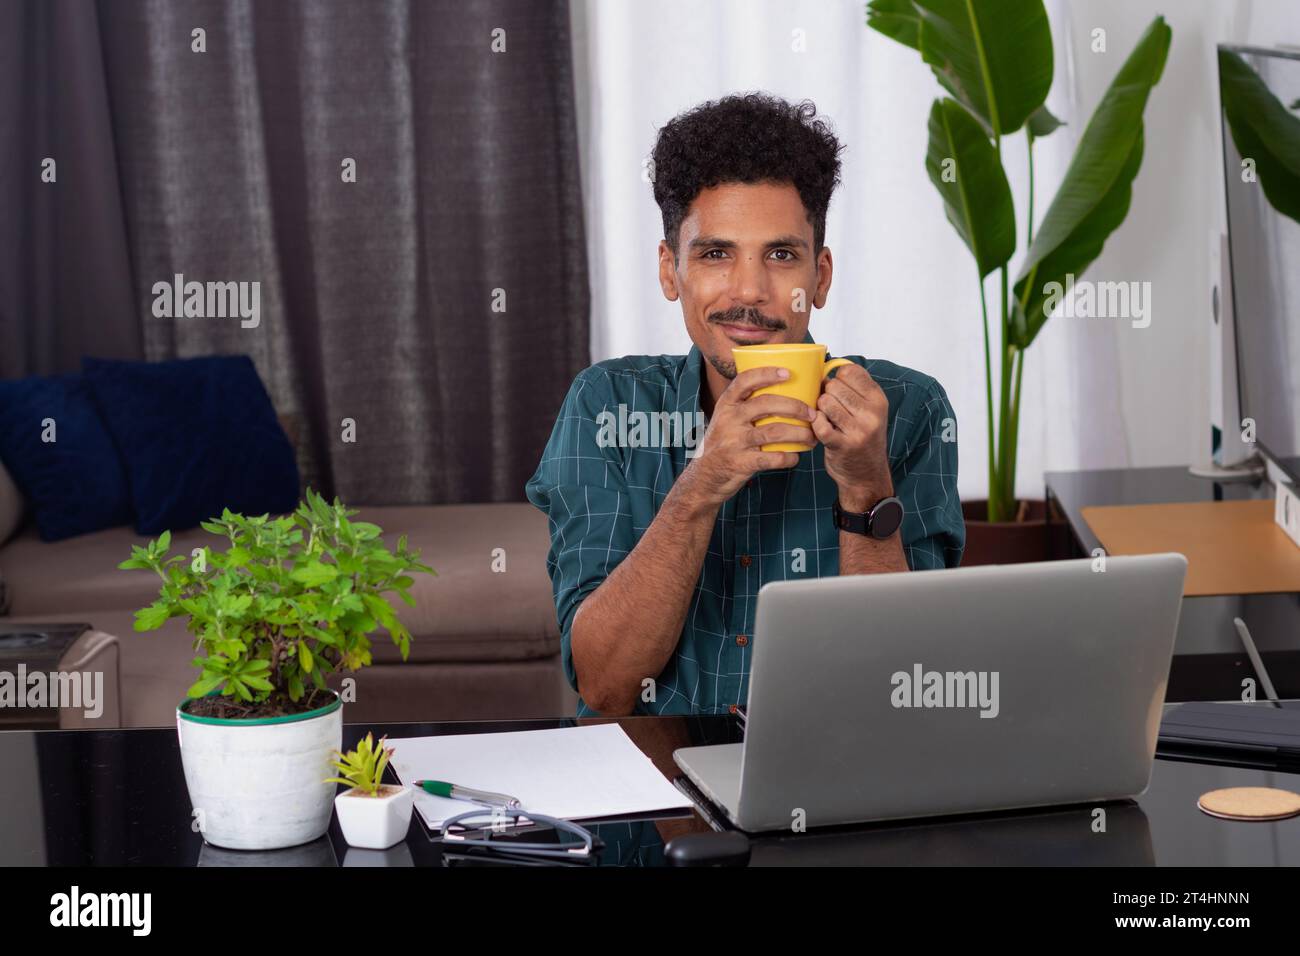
x=375 y=823
x=260 y=784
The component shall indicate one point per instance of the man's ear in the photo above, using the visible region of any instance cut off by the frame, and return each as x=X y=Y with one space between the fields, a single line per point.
x=825 y=266
x=667 y=271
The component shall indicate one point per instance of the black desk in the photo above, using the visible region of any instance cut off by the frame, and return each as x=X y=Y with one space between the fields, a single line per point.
x=1209 y=660
x=118 y=798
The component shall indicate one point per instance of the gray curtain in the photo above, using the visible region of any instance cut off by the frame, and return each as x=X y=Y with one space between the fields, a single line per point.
x=66 y=286
x=439 y=302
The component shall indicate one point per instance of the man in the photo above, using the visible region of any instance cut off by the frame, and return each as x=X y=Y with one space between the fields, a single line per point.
x=658 y=553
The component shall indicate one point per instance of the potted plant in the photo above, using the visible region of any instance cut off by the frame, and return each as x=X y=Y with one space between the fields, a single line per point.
x=286 y=603
x=995 y=60
x=373 y=815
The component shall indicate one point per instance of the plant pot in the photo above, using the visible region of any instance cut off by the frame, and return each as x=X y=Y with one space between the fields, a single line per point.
x=259 y=784
x=1005 y=542
x=375 y=822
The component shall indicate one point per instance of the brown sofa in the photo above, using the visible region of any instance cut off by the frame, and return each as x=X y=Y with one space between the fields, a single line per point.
x=485 y=643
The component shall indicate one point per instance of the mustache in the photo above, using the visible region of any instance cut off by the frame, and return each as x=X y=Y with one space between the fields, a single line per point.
x=744 y=315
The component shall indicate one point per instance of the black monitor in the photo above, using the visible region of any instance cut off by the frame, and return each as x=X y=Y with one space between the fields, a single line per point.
x=1259 y=93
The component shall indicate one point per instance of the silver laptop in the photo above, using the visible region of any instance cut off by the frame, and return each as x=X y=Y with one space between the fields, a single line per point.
x=879 y=697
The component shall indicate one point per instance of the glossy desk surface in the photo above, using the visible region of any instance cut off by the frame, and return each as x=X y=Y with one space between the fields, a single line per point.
x=118 y=798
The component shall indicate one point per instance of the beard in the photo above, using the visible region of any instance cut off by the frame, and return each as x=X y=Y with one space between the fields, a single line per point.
x=739 y=315
x=725 y=367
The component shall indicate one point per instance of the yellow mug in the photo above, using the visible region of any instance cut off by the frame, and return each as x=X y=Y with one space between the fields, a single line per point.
x=808 y=369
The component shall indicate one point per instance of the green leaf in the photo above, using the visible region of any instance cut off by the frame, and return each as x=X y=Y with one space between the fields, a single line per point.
x=304 y=657
x=1094 y=196
x=896 y=19
x=229 y=648
x=1263 y=131
x=204 y=686
x=152 y=617
x=348 y=564
x=322 y=634
x=1042 y=123
x=993 y=56
x=314 y=574
x=164 y=542
x=964 y=167
x=382 y=611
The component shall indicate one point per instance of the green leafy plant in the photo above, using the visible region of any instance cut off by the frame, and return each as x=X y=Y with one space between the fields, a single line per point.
x=1263 y=132
x=363 y=768
x=287 y=602
x=995 y=59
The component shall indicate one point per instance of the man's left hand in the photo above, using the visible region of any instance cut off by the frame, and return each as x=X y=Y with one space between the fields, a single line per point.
x=852 y=420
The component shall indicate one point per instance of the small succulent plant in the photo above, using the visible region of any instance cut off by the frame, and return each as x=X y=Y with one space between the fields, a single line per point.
x=363 y=768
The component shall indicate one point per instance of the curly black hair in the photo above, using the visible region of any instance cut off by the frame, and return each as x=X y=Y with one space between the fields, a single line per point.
x=745 y=138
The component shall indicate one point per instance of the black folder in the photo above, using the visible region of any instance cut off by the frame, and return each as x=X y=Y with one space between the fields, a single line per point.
x=1259 y=728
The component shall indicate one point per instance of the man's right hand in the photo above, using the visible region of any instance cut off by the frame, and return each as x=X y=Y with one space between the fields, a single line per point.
x=731 y=452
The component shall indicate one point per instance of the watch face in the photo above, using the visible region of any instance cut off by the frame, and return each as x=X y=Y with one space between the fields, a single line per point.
x=886 y=517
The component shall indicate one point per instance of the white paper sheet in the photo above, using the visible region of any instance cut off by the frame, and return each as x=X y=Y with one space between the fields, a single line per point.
x=574 y=773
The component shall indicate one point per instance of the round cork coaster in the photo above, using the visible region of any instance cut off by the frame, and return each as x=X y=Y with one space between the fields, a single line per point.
x=1250 y=803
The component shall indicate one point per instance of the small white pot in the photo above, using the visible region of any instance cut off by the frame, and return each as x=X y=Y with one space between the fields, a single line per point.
x=378 y=822
x=260 y=784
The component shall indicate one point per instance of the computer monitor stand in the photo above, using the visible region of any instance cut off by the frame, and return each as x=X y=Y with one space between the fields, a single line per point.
x=1252 y=469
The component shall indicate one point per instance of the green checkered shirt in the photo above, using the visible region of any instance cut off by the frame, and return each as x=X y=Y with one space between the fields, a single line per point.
x=605 y=472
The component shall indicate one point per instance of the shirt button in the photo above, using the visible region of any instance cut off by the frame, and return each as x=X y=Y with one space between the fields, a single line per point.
x=731 y=708
x=741 y=640
x=745 y=561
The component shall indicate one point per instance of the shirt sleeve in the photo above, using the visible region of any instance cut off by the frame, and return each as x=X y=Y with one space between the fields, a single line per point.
x=925 y=478
x=580 y=484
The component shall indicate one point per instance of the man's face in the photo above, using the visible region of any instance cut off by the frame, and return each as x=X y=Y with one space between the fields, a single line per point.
x=745 y=270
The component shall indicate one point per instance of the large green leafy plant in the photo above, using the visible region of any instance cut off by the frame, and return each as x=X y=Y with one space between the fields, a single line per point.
x=995 y=60
x=1266 y=135
x=287 y=602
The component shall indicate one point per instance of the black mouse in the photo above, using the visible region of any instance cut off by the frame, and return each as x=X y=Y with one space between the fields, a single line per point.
x=708 y=849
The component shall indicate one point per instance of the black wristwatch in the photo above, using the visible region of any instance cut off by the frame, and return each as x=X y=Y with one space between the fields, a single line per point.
x=879 y=523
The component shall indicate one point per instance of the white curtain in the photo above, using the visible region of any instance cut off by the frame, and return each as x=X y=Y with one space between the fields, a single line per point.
x=904 y=287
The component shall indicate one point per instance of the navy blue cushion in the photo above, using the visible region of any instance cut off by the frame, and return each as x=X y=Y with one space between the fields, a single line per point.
x=196 y=435
x=76 y=483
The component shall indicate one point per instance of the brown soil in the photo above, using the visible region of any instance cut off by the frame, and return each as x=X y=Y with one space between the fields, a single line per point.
x=385 y=790
x=278 y=705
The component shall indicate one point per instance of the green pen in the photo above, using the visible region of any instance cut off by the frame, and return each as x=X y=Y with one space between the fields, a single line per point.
x=440 y=788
